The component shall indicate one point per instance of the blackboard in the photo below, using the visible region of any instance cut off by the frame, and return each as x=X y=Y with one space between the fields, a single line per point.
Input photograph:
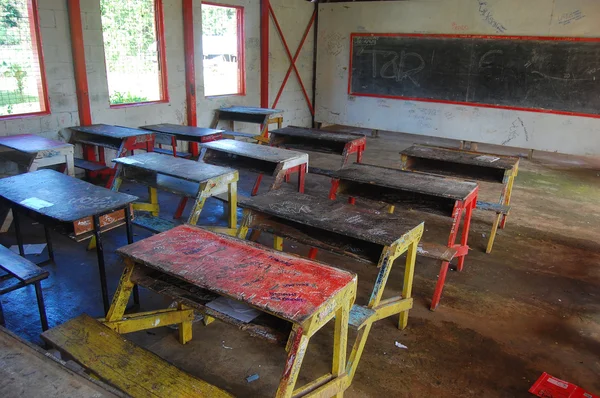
x=558 y=75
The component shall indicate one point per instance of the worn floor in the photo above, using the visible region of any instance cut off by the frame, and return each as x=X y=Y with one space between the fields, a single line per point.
x=533 y=305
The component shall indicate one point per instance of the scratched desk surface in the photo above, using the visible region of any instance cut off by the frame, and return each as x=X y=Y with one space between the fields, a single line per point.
x=184 y=133
x=30 y=143
x=407 y=181
x=332 y=216
x=254 y=151
x=463 y=157
x=61 y=197
x=316 y=134
x=110 y=131
x=282 y=285
x=184 y=169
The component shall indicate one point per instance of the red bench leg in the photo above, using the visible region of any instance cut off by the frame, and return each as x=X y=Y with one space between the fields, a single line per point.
x=312 y=253
x=439 y=286
x=180 y=208
x=256 y=185
x=301 y=178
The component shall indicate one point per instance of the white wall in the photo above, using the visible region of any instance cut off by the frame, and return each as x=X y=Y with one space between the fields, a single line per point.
x=56 y=42
x=565 y=134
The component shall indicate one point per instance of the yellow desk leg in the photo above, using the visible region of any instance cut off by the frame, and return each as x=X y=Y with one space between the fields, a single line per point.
x=391 y=209
x=490 y=244
x=340 y=342
x=507 y=196
x=409 y=273
x=185 y=328
x=196 y=210
x=154 y=200
x=121 y=297
x=278 y=243
x=293 y=363
x=232 y=194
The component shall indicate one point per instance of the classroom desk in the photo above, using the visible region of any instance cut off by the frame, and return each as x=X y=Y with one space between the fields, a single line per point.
x=182 y=177
x=169 y=134
x=470 y=165
x=69 y=206
x=305 y=139
x=246 y=114
x=256 y=158
x=98 y=137
x=29 y=371
x=378 y=239
x=194 y=266
x=423 y=192
x=31 y=152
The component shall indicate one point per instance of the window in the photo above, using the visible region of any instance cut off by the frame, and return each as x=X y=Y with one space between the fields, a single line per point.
x=22 y=80
x=223 y=49
x=134 y=49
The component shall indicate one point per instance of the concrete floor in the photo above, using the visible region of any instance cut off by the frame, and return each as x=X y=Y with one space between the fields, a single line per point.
x=533 y=305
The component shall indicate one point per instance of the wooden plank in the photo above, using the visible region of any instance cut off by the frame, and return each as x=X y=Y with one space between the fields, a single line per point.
x=137 y=372
x=31 y=144
x=185 y=133
x=110 y=131
x=259 y=152
x=184 y=169
x=247 y=114
x=460 y=156
x=89 y=165
x=495 y=207
x=277 y=283
x=61 y=197
x=336 y=217
x=407 y=181
x=21 y=268
x=169 y=152
x=28 y=371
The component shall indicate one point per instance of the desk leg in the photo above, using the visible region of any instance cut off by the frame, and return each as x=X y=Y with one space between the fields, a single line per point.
x=41 y=305
x=180 y=208
x=506 y=200
x=49 y=243
x=101 y=266
x=301 y=178
x=340 y=342
x=129 y=230
x=359 y=155
x=409 y=274
x=439 y=286
x=2 y=320
x=465 y=233
x=16 y=219
x=257 y=185
x=299 y=342
x=232 y=195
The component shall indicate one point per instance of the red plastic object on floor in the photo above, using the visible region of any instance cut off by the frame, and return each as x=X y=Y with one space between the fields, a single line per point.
x=551 y=387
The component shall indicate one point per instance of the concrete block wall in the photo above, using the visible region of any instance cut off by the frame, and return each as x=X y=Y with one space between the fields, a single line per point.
x=548 y=132
x=56 y=46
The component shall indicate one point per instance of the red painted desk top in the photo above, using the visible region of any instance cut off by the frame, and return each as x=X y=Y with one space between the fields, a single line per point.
x=283 y=285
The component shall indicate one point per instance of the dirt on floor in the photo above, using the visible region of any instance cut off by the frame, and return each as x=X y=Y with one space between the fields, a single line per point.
x=531 y=306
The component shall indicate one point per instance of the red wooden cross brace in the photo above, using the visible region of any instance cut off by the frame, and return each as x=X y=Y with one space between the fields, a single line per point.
x=293 y=59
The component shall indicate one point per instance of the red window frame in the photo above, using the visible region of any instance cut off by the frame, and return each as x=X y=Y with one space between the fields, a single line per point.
x=241 y=40
x=36 y=41
x=162 y=60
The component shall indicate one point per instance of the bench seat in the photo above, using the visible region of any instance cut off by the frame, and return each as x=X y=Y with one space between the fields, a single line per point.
x=119 y=362
x=89 y=165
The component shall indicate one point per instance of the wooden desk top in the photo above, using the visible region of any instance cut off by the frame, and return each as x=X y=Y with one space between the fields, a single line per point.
x=109 y=131
x=332 y=216
x=61 y=197
x=316 y=134
x=184 y=133
x=463 y=157
x=184 y=169
x=30 y=143
x=407 y=181
x=281 y=284
x=27 y=371
x=251 y=110
x=255 y=151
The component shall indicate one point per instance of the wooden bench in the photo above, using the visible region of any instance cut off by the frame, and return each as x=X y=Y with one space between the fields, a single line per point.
x=295 y=297
x=182 y=177
x=118 y=362
x=478 y=166
x=26 y=273
x=423 y=192
x=359 y=233
x=89 y=165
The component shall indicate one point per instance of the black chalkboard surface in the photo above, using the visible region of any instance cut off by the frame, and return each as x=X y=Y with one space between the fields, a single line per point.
x=559 y=75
